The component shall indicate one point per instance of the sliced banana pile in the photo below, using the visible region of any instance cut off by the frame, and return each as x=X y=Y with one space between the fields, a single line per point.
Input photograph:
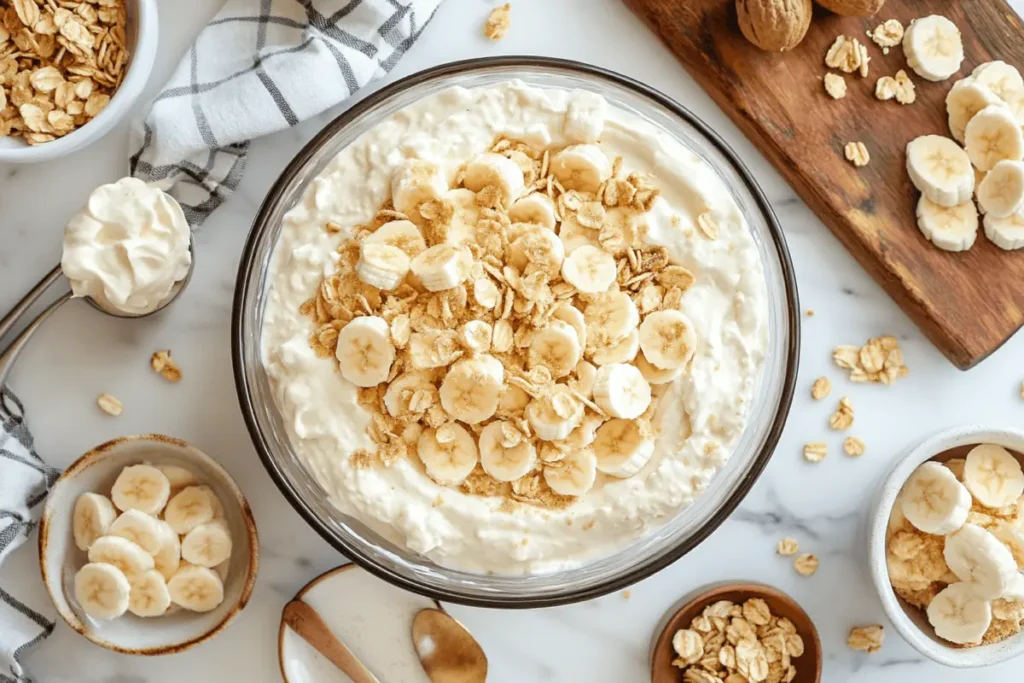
x=169 y=545
x=509 y=328
x=956 y=545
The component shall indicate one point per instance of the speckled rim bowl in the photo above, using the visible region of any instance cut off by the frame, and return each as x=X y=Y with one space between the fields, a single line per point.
x=911 y=623
x=142 y=36
x=60 y=558
x=631 y=563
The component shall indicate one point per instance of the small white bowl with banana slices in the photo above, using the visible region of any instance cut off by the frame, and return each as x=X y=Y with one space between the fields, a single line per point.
x=147 y=546
x=946 y=546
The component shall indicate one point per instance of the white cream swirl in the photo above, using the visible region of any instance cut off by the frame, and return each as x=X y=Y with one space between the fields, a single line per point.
x=127 y=247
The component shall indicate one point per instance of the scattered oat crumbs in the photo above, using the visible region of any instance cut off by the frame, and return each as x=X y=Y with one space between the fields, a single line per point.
x=866 y=638
x=842 y=419
x=853 y=446
x=626 y=595
x=332 y=228
x=835 y=86
x=787 y=547
x=109 y=404
x=498 y=22
x=879 y=360
x=810 y=312
x=821 y=388
x=161 y=362
x=707 y=225
x=815 y=451
x=898 y=87
x=857 y=154
x=806 y=564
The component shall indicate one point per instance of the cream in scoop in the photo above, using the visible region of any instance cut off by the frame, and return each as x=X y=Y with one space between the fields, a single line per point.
x=127 y=247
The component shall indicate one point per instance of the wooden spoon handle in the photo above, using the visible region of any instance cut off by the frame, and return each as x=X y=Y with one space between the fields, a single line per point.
x=305 y=621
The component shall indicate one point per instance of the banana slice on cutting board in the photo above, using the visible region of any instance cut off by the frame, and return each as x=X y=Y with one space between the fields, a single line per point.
x=472 y=388
x=505 y=453
x=981 y=561
x=993 y=476
x=621 y=448
x=449 y=453
x=102 y=590
x=207 y=545
x=491 y=169
x=382 y=265
x=621 y=391
x=934 y=501
x=1001 y=192
x=439 y=268
x=365 y=352
x=951 y=228
x=141 y=529
x=141 y=487
x=574 y=475
x=668 y=339
x=1006 y=233
x=940 y=169
x=122 y=553
x=1001 y=78
x=966 y=98
x=149 y=596
x=581 y=167
x=589 y=269
x=958 y=615
x=536 y=208
x=993 y=135
x=414 y=182
x=196 y=588
x=933 y=47
x=92 y=516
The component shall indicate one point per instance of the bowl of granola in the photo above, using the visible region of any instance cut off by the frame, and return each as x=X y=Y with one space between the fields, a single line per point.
x=946 y=546
x=70 y=73
x=510 y=318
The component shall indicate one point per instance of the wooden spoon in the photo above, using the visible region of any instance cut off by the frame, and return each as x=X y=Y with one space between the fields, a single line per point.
x=448 y=652
x=305 y=621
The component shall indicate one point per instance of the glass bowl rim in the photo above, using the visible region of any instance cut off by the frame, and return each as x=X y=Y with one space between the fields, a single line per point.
x=261 y=225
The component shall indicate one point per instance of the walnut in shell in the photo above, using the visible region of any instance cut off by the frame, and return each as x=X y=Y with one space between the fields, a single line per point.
x=774 y=25
x=852 y=8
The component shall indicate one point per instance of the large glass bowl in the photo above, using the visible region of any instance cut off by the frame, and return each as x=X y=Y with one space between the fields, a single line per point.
x=629 y=564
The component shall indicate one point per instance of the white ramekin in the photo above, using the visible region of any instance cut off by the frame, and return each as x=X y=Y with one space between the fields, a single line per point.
x=143 y=35
x=910 y=622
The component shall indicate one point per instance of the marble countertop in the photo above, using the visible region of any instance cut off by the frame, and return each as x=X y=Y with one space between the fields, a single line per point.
x=80 y=353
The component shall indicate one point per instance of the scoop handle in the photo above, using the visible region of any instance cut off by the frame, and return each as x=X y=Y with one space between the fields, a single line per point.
x=20 y=308
x=305 y=621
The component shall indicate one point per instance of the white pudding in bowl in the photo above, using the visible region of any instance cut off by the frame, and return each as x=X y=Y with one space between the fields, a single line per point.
x=513 y=329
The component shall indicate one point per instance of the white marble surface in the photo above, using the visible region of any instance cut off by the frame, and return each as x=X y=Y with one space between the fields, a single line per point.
x=80 y=353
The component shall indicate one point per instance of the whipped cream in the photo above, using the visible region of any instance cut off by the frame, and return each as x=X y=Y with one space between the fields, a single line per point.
x=701 y=416
x=127 y=247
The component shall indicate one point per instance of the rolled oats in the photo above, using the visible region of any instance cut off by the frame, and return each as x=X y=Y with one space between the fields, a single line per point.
x=866 y=638
x=842 y=418
x=498 y=22
x=109 y=404
x=887 y=34
x=880 y=360
x=806 y=564
x=835 y=86
x=853 y=446
x=787 y=546
x=821 y=388
x=848 y=55
x=857 y=154
x=162 y=363
x=815 y=451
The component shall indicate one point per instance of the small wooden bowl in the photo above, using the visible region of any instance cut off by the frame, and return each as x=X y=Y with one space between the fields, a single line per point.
x=808 y=665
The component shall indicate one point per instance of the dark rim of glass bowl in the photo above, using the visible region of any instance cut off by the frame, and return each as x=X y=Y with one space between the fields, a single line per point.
x=575 y=593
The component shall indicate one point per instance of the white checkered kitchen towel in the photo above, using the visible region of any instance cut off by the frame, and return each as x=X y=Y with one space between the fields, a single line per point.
x=261 y=66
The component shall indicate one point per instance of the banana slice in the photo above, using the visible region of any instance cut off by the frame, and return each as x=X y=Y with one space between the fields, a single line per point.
x=993 y=476
x=668 y=339
x=402 y=392
x=589 y=269
x=933 y=47
x=179 y=477
x=149 y=596
x=1013 y=538
x=168 y=558
x=92 y=516
x=141 y=487
x=621 y=391
x=513 y=399
x=496 y=170
x=966 y=98
x=465 y=215
x=439 y=268
x=218 y=507
x=1001 y=192
x=958 y=615
x=655 y=375
x=122 y=553
x=414 y=182
x=505 y=454
x=141 y=529
x=992 y=136
x=940 y=169
x=978 y=559
x=471 y=389
x=585 y=433
x=190 y=508
x=1001 y=78
x=581 y=167
x=554 y=416
x=538 y=249
x=610 y=317
x=1006 y=233
x=382 y=266
x=102 y=590
x=574 y=475
x=196 y=588
x=448 y=453
x=365 y=352
x=934 y=501
x=207 y=545
x=568 y=313
x=556 y=346
x=952 y=228
x=586 y=376
x=534 y=208
x=621 y=449
x=401 y=234
x=622 y=351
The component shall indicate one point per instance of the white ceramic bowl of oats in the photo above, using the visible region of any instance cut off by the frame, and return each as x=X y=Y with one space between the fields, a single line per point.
x=914 y=583
x=141 y=38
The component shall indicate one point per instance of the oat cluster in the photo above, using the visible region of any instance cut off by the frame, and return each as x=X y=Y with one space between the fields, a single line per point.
x=848 y=55
x=497 y=22
x=866 y=638
x=496 y=311
x=898 y=87
x=887 y=34
x=162 y=363
x=738 y=643
x=880 y=360
x=60 y=63
x=857 y=154
x=842 y=418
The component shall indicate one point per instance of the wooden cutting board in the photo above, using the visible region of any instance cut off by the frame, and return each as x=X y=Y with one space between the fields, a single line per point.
x=969 y=303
